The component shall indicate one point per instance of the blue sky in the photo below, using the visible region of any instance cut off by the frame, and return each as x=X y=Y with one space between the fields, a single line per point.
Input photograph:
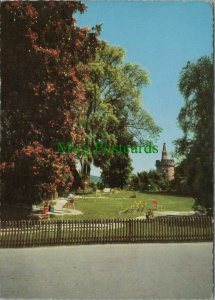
x=161 y=37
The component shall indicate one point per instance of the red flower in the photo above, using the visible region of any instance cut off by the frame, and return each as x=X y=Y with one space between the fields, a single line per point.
x=31 y=11
x=54 y=52
x=58 y=181
x=67 y=169
x=3 y=165
x=71 y=155
x=35 y=47
x=32 y=35
x=50 y=87
x=12 y=165
x=17 y=4
x=77 y=43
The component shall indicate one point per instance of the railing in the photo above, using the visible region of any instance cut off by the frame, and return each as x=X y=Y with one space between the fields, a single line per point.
x=70 y=232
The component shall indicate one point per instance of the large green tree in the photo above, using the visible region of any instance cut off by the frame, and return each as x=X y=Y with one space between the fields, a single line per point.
x=115 y=112
x=115 y=92
x=196 y=120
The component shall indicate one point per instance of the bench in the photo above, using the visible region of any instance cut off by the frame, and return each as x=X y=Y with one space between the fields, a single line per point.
x=106 y=191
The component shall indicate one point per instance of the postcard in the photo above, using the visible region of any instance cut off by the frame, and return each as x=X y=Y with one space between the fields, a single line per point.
x=107 y=150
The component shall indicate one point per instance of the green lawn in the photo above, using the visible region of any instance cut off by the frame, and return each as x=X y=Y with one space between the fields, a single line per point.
x=107 y=208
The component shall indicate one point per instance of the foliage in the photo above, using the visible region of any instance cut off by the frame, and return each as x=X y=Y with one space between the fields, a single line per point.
x=136 y=207
x=93 y=185
x=149 y=213
x=116 y=171
x=100 y=185
x=149 y=181
x=115 y=114
x=115 y=94
x=44 y=64
x=196 y=120
x=31 y=165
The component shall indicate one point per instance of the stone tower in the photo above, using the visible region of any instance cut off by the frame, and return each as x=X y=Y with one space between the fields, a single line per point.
x=165 y=165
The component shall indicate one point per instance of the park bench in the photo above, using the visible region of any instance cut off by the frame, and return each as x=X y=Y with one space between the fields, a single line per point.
x=35 y=207
x=106 y=191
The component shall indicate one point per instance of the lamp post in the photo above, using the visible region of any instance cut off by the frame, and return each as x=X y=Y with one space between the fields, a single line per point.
x=149 y=187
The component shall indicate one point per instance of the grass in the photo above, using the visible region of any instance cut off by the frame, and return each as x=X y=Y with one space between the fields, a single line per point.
x=109 y=207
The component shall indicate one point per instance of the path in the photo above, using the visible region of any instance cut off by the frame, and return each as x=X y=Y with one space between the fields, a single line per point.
x=58 y=208
x=130 y=271
x=170 y=213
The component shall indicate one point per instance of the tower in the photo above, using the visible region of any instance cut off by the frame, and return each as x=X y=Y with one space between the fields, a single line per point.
x=165 y=165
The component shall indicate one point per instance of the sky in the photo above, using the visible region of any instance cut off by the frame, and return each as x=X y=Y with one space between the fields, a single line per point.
x=161 y=37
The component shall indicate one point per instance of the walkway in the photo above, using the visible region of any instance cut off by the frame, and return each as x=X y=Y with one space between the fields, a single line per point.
x=170 y=213
x=60 y=210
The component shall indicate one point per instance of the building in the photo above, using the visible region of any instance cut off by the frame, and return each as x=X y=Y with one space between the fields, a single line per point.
x=165 y=165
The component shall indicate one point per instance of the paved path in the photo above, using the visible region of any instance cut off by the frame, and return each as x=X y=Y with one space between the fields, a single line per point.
x=59 y=208
x=135 y=271
x=170 y=213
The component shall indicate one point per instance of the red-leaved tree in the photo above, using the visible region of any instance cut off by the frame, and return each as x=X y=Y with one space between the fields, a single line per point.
x=44 y=65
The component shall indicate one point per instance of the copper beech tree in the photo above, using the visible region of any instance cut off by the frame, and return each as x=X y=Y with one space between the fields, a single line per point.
x=44 y=65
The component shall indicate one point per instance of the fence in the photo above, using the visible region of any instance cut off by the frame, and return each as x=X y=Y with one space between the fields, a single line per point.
x=70 y=232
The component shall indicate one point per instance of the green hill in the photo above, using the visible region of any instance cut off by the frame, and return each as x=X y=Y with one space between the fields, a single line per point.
x=95 y=178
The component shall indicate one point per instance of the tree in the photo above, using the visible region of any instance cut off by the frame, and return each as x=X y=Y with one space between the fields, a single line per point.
x=114 y=112
x=44 y=65
x=196 y=121
x=149 y=181
x=116 y=171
